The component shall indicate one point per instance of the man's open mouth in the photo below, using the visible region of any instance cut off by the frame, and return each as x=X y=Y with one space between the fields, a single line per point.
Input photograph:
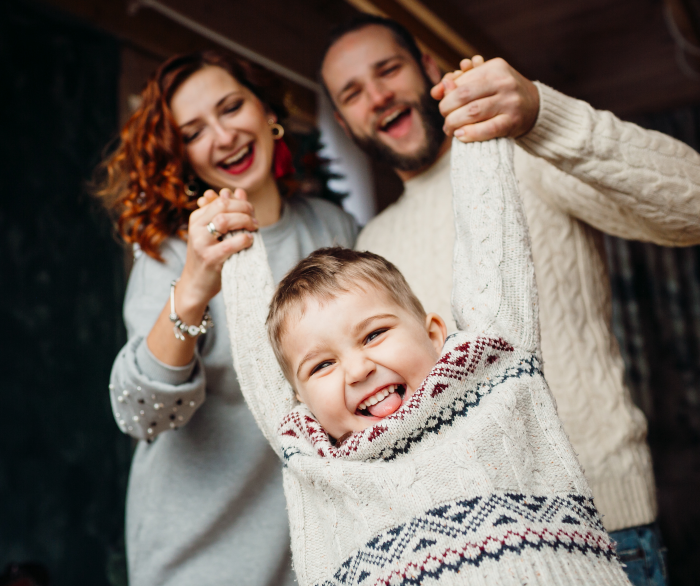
x=238 y=161
x=394 y=118
x=384 y=402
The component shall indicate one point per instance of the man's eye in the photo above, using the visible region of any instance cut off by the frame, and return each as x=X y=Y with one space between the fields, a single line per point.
x=390 y=70
x=321 y=366
x=351 y=96
x=373 y=335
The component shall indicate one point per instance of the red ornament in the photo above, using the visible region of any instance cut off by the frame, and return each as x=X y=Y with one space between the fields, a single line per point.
x=282 y=160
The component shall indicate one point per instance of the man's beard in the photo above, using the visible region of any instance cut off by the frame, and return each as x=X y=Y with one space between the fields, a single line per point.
x=428 y=111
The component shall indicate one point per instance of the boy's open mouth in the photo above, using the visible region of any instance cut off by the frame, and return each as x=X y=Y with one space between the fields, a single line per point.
x=384 y=402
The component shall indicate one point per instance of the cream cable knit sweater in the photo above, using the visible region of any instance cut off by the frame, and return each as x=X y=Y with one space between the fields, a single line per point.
x=473 y=481
x=590 y=173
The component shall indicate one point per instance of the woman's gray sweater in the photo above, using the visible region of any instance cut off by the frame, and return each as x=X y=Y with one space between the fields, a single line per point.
x=205 y=503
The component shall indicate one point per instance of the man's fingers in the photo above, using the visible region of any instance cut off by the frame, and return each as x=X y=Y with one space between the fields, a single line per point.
x=445 y=85
x=496 y=127
x=478 y=87
x=473 y=112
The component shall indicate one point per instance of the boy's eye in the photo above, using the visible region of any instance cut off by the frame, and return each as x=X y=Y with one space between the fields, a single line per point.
x=374 y=334
x=321 y=366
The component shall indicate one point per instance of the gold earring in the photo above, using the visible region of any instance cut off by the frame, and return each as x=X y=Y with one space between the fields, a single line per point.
x=191 y=187
x=277 y=129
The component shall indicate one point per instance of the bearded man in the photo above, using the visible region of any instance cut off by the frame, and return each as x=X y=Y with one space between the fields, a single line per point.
x=581 y=173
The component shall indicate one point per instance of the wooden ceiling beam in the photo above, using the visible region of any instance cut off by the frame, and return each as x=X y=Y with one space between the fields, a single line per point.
x=160 y=37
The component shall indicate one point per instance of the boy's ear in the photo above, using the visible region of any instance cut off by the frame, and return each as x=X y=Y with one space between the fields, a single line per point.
x=298 y=397
x=437 y=330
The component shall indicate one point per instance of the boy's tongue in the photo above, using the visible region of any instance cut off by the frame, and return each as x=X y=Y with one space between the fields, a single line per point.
x=387 y=406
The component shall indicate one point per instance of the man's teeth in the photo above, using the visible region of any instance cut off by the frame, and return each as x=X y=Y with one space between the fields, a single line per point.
x=377 y=397
x=237 y=156
x=391 y=117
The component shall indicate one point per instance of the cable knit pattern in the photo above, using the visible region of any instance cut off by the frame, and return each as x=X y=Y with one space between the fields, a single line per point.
x=471 y=481
x=612 y=176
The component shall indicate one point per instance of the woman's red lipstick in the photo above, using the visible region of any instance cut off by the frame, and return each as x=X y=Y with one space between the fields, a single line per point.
x=240 y=166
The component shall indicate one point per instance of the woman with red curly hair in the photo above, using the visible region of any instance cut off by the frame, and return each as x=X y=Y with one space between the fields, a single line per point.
x=205 y=502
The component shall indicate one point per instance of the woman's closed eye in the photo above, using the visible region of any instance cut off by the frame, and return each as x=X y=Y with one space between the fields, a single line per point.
x=188 y=137
x=232 y=107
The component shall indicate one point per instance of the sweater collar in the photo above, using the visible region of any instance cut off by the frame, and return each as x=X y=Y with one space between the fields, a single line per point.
x=416 y=186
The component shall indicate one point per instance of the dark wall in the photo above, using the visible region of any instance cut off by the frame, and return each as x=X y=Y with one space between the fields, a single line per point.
x=656 y=316
x=63 y=462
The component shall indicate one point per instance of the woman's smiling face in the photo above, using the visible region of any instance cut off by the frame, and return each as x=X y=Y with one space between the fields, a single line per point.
x=225 y=128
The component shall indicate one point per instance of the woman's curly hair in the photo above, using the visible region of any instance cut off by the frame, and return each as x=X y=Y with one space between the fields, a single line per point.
x=143 y=179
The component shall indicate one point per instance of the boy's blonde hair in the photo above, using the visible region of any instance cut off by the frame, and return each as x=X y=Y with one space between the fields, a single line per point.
x=324 y=275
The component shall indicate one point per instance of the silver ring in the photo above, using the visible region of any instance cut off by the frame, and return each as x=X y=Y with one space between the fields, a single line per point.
x=213 y=231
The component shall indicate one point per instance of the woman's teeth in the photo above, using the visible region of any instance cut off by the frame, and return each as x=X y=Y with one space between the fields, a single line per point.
x=234 y=158
x=377 y=397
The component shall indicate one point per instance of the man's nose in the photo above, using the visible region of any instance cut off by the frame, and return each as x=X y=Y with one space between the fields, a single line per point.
x=380 y=95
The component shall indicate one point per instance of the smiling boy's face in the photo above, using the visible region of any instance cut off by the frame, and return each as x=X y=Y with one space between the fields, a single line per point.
x=358 y=357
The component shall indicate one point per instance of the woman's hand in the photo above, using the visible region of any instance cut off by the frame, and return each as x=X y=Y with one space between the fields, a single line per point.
x=206 y=253
x=201 y=276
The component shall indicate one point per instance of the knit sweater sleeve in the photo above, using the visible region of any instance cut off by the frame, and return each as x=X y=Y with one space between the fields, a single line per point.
x=494 y=288
x=247 y=286
x=620 y=178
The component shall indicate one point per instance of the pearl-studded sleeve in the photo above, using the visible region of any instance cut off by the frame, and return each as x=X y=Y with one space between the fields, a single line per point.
x=494 y=290
x=147 y=396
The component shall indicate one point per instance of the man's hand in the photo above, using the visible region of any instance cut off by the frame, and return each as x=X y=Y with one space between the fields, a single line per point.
x=486 y=100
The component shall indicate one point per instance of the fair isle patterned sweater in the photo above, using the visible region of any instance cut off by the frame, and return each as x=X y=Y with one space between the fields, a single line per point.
x=472 y=480
x=581 y=172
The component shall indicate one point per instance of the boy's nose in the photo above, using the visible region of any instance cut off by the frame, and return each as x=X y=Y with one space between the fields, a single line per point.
x=358 y=370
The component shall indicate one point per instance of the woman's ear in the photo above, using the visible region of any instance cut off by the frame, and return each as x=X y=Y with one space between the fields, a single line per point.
x=437 y=330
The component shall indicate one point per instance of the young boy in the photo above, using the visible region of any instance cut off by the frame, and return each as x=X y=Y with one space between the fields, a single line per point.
x=408 y=458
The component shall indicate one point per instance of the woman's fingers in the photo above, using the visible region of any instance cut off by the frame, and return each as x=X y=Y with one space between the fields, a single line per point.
x=204 y=215
x=208 y=197
x=230 y=221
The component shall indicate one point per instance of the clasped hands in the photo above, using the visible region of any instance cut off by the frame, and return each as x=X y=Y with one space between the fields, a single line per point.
x=485 y=100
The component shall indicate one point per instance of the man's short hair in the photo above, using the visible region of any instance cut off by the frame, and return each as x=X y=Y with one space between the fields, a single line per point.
x=324 y=275
x=401 y=34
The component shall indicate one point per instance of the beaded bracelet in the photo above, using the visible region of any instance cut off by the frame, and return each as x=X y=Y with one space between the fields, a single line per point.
x=181 y=328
